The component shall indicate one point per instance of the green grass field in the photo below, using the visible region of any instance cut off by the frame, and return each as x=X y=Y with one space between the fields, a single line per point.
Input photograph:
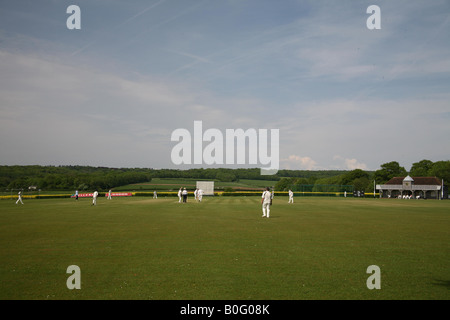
x=142 y=248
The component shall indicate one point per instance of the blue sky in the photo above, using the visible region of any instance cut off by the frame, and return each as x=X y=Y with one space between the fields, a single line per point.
x=111 y=93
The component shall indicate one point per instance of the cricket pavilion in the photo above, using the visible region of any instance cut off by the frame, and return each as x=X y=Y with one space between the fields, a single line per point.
x=415 y=188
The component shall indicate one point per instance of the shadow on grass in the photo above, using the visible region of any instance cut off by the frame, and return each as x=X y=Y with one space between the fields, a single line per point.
x=443 y=283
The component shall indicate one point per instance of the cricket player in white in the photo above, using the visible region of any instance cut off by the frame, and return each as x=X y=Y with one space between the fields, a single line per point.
x=94 y=198
x=196 y=194
x=179 y=195
x=109 y=195
x=291 y=197
x=200 y=195
x=266 y=199
x=20 y=198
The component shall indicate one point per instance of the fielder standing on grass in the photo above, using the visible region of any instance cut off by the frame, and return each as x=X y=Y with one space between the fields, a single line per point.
x=94 y=198
x=179 y=195
x=266 y=201
x=291 y=196
x=109 y=195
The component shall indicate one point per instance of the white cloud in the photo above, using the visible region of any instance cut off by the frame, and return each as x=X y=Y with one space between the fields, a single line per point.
x=295 y=162
x=350 y=164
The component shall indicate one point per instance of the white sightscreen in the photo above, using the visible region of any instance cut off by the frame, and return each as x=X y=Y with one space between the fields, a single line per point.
x=207 y=187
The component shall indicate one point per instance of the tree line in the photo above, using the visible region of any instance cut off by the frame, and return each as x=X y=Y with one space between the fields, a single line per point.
x=103 y=178
x=356 y=179
x=69 y=177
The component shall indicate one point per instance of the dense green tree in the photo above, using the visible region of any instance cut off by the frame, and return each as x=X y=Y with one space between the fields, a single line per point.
x=284 y=184
x=388 y=171
x=421 y=168
x=350 y=177
x=304 y=181
x=361 y=184
x=441 y=169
